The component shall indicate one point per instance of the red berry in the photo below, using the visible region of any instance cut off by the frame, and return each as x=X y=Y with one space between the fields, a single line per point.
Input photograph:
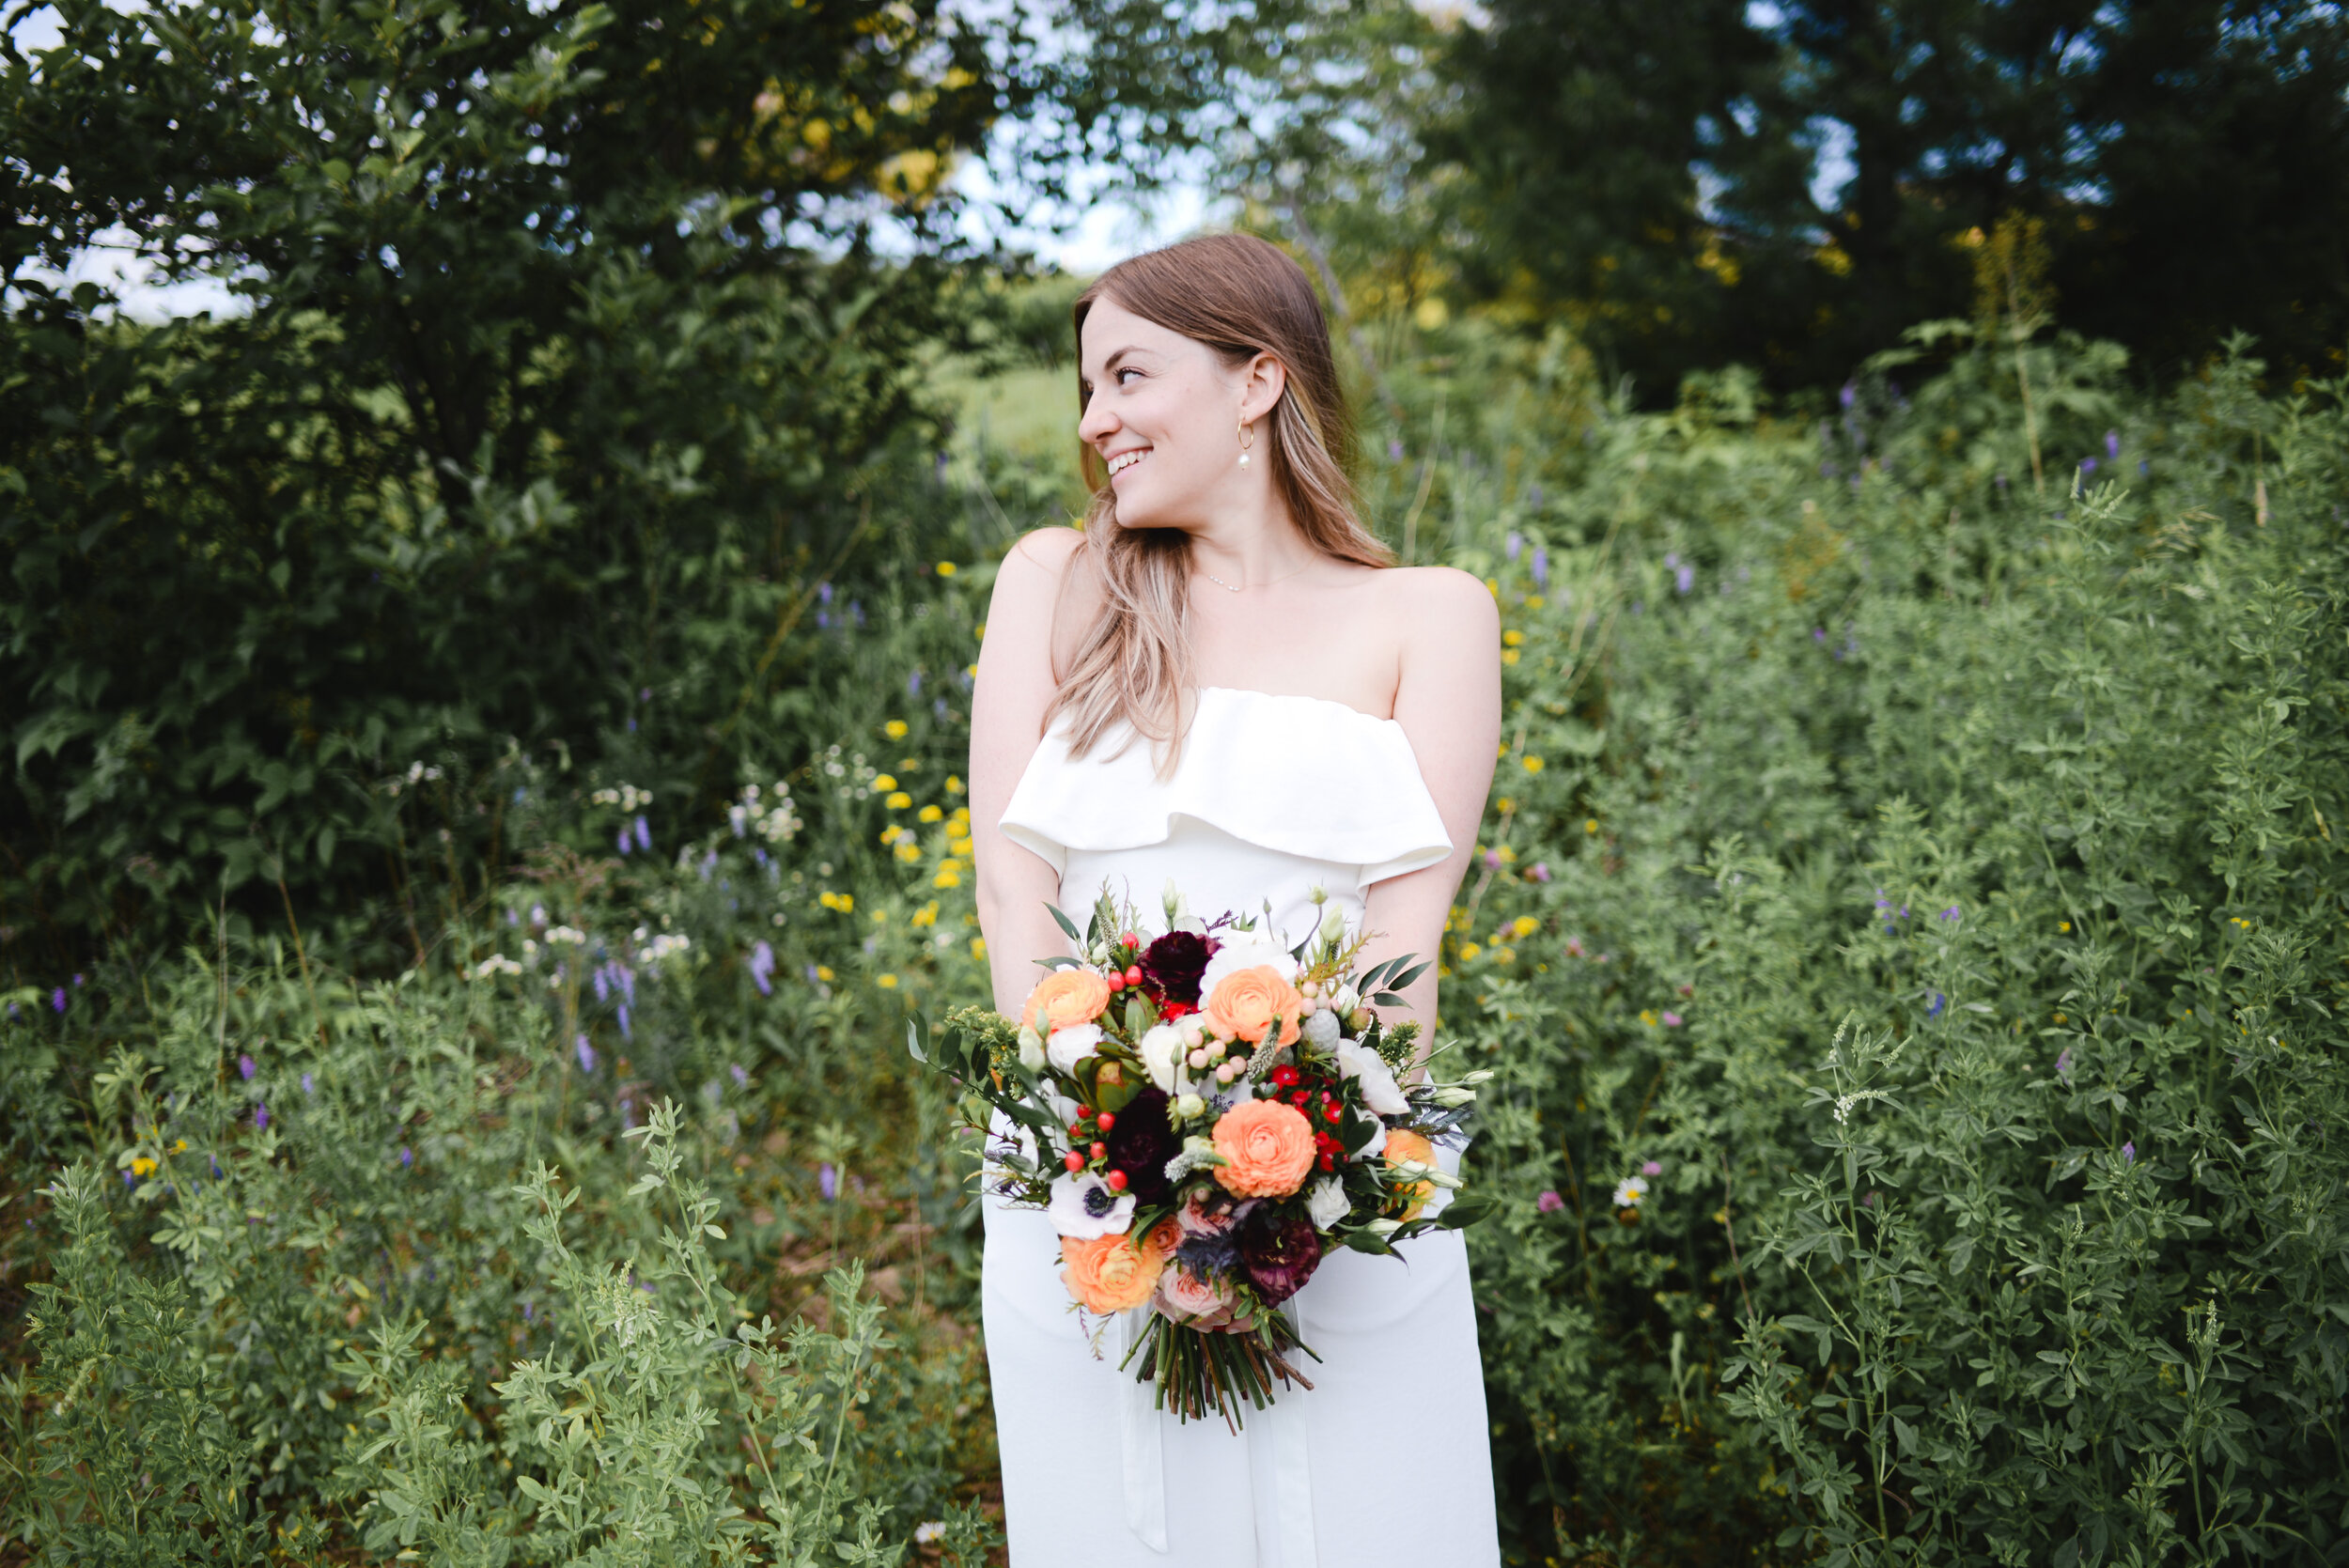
x=1076 y=1133
x=1074 y=1160
x=1133 y=974
x=1100 y=1150
x=1106 y=1120
x=1117 y=1180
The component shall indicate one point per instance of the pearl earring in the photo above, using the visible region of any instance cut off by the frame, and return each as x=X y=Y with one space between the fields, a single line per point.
x=1247 y=439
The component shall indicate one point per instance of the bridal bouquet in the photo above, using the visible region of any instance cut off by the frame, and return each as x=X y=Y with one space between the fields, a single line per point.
x=1207 y=1115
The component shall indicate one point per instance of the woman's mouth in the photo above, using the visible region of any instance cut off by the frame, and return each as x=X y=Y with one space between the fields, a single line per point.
x=1125 y=460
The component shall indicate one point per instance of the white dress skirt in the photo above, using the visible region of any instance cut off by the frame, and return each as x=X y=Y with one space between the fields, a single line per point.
x=1387 y=1458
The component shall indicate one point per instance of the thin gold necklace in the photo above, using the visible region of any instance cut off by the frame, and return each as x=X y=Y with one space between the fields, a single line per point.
x=1236 y=587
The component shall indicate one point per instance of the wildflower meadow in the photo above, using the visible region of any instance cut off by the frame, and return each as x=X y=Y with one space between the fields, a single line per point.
x=1909 y=933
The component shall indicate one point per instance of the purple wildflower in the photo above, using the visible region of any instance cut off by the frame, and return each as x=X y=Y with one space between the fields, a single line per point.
x=1672 y=1021
x=602 y=982
x=1847 y=395
x=308 y=1086
x=812 y=976
x=1492 y=860
x=762 y=968
x=407 y=1157
x=1933 y=1009
x=129 y=1180
x=1652 y=1168
x=1686 y=578
x=2112 y=443
x=586 y=1054
x=1541 y=566
x=2129 y=1153
x=621 y=842
x=828 y=1181
x=260 y=1117
x=914 y=684
x=246 y=1067
x=626 y=1032
x=2088 y=465
x=644 y=832
x=1950 y=913
x=1537 y=872
x=528 y=1315
x=1516 y=542
x=742 y=1076
x=57 y=999
x=1818 y=634
x=1672 y=558
x=1549 y=1202
x=1394 y=451
x=2063 y=1063
x=1534 y=497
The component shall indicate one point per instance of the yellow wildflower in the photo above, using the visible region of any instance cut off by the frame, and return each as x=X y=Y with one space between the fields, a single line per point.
x=1468 y=951
x=909 y=851
x=929 y=814
x=1525 y=925
x=927 y=914
x=1509 y=656
x=899 y=801
x=1533 y=765
x=947 y=568
x=1512 y=637
x=886 y=981
x=978 y=947
x=895 y=729
x=1590 y=825
x=885 y=781
x=823 y=972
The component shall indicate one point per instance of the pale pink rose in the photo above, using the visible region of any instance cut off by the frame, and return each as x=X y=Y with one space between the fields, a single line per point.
x=1197 y=1219
x=1192 y=1302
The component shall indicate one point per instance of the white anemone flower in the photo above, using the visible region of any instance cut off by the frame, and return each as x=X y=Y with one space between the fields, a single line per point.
x=1380 y=1091
x=1084 y=1209
x=1070 y=1046
x=1245 y=952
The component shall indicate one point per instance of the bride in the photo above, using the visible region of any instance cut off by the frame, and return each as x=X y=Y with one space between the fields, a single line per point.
x=1222 y=681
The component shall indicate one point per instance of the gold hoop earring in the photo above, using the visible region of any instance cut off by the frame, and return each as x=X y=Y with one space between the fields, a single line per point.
x=1247 y=440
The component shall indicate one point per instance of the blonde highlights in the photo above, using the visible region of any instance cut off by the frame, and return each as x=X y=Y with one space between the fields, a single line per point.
x=1241 y=297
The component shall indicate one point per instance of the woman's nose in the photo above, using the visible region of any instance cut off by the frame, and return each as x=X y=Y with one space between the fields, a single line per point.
x=1097 y=422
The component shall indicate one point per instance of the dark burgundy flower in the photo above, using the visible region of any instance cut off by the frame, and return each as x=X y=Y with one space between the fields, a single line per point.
x=1172 y=966
x=1280 y=1255
x=1140 y=1142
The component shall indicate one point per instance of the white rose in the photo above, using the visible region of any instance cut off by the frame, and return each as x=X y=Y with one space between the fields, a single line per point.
x=1321 y=1028
x=1162 y=1048
x=1327 y=1203
x=1084 y=1209
x=1031 y=1047
x=1379 y=1092
x=1334 y=924
x=1245 y=952
x=1070 y=1046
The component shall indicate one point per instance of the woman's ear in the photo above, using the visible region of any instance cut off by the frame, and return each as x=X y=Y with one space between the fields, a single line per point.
x=1262 y=381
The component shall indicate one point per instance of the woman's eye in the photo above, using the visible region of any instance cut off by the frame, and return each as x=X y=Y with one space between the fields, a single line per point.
x=1125 y=371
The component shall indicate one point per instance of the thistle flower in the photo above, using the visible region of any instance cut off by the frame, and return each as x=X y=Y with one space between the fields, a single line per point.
x=1652 y=1168
x=1549 y=1202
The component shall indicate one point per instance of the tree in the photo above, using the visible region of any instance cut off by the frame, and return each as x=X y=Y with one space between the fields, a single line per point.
x=1791 y=185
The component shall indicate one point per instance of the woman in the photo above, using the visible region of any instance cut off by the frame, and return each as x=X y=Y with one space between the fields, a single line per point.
x=1222 y=681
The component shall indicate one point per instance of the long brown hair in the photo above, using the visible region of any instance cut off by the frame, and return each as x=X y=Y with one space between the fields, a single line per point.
x=1241 y=297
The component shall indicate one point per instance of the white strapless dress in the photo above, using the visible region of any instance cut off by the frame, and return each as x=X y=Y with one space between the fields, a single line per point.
x=1386 y=1460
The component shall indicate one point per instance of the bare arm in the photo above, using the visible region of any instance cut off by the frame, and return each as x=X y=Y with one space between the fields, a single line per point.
x=1448 y=701
x=1015 y=683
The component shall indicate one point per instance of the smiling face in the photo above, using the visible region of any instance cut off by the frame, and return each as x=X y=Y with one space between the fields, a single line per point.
x=1164 y=410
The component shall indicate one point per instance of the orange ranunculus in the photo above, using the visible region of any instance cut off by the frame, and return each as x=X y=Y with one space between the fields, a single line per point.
x=1268 y=1148
x=1246 y=1000
x=1112 y=1273
x=1064 y=996
x=1410 y=1147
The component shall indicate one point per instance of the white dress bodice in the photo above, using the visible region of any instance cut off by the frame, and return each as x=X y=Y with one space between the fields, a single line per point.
x=1272 y=797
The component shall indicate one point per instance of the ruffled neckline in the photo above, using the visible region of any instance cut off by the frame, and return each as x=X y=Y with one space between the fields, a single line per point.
x=1318 y=779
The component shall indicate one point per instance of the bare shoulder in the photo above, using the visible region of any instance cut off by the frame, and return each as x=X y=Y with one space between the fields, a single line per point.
x=1037 y=562
x=1441 y=604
